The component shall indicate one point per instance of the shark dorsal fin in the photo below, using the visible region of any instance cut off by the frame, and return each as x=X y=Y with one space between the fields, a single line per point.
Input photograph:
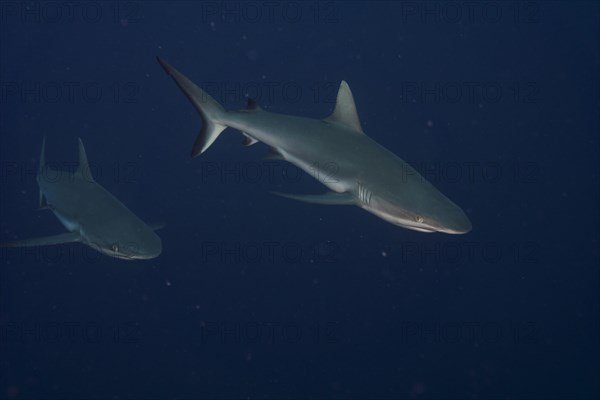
x=83 y=168
x=345 y=109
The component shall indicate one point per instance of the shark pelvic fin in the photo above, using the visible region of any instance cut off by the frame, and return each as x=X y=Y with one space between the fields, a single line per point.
x=209 y=109
x=345 y=110
x=83 y=168
x=330 y=198
x=273 y=155
x=70 y=237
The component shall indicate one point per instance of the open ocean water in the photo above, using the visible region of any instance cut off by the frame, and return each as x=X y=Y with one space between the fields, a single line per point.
x=260 y=297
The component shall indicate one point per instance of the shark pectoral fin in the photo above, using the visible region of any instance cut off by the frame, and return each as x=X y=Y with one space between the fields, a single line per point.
x=69 y=237
x=331 y=198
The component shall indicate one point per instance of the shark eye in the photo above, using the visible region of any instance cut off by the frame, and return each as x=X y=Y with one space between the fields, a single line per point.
x=419 y=219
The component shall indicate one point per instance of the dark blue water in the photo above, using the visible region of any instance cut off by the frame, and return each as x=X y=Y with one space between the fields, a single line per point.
x=256 y=296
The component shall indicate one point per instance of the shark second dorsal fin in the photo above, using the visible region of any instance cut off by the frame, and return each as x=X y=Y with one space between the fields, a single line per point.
x=345 y=110
x=253 y=105
x=83 y=168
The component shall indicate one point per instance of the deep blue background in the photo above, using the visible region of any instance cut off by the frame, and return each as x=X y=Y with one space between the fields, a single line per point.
x=348 y=306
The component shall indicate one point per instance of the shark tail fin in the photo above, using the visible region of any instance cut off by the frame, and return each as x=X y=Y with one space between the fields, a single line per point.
x=209 y=109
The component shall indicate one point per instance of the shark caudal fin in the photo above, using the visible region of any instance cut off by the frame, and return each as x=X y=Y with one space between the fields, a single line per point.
x=210 y=111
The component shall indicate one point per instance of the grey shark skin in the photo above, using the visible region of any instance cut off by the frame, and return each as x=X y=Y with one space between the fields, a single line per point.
x=337 y=152
x=91 y=214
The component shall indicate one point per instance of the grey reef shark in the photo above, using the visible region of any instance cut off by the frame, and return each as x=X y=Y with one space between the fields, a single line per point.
x=91 y=214
x=365 y=174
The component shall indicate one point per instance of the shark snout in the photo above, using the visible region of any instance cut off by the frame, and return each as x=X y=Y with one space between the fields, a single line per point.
x=149 y=250
x=459 y=223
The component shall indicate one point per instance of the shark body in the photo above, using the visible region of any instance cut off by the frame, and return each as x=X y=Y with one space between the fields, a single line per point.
x=91 y=214
x=336 y=151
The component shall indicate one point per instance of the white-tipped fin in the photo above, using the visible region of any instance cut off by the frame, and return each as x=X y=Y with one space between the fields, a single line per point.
x=345 y=110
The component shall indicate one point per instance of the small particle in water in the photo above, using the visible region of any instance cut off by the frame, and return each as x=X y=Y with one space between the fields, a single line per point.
x=384 y=254
x=168 y=283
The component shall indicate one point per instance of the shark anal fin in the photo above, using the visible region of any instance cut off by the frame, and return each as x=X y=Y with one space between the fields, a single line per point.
x=248 y=140
x=70 y=237
x=330 y=198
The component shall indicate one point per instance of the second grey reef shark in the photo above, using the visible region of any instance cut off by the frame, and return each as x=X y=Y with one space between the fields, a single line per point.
x=364 y=173
x=91 y=214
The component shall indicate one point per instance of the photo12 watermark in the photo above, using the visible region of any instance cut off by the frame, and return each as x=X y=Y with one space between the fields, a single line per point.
x=268 y=252
x=469 y=92
x=469 y=12
x=469 y=332
x=475 y=172
x=71 y=12
x=69 y=92
x=261 y=12
x=269 y=332
x=14 y=172
x=17 y=251
x=459 y=252
x=70 y=332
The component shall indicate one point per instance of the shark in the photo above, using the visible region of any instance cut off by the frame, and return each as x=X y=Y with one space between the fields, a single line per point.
x=336 y=151
x=91 y=214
